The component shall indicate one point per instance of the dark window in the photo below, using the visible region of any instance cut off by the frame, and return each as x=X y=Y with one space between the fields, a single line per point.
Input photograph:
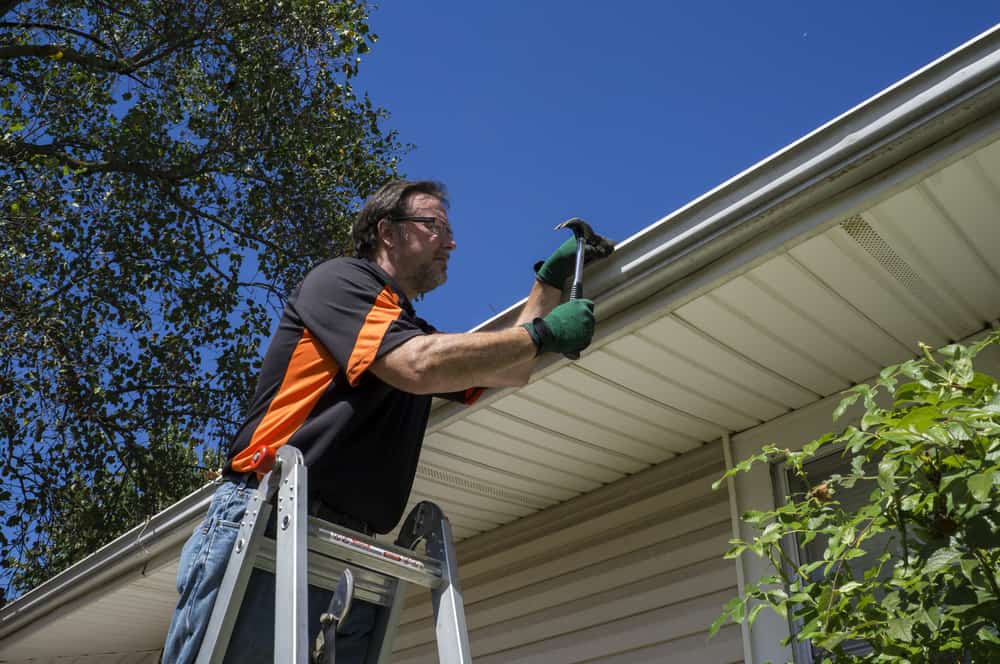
x=850 y=498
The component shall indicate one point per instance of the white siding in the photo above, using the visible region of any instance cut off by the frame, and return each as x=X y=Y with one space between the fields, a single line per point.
x=630 y=573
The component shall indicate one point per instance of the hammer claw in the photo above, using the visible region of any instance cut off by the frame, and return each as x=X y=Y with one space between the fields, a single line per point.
x=587 y=241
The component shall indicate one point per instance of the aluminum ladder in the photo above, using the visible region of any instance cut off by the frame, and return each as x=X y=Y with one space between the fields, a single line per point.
x=338 y=559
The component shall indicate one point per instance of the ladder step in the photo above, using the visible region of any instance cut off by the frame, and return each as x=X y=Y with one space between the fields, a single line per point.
x=324 y=572
x=375 y=565
x=309 y=551
x=331 y=540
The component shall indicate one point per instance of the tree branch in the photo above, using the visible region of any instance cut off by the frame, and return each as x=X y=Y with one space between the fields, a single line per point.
x=187 y=206
x=119 y=65
x=65 y=53
x=7 y=5
x=148 y=57
x=61 y=28
x=18 y=149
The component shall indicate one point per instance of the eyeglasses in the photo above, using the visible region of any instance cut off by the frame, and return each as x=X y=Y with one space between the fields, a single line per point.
x=437 y=227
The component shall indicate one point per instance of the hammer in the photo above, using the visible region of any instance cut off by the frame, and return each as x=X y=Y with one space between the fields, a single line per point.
x=600 y=247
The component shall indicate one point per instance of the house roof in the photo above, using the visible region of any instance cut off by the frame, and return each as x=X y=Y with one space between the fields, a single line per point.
x=802 y=275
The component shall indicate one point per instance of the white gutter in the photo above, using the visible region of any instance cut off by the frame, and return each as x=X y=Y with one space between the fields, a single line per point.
x=928 y=106
x=131 y=551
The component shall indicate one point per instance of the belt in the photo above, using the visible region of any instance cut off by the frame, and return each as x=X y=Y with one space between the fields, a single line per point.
x=230 y=475
x=317 y=508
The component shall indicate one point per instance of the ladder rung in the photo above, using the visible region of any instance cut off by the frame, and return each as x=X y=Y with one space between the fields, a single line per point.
x=324 y=572
x=316 y=552
x=375 y=565
x=334 y=541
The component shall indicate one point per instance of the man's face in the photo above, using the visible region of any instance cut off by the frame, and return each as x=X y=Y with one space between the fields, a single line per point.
x=424 y=246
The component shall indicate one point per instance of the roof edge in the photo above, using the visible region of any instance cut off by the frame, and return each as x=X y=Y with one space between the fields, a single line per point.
x=132 y=550
x=948 y=94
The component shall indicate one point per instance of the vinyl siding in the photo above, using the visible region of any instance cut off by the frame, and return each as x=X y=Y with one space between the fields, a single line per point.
x=630 y=573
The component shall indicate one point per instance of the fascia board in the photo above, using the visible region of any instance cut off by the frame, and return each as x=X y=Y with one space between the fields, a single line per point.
x=101 y=571
x=951 y=93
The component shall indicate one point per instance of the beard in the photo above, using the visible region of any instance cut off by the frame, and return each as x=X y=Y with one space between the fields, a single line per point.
x=429 y=276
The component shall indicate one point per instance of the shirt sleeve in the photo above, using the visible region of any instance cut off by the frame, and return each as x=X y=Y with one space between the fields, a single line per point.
x=354 y=316
x=467 y=397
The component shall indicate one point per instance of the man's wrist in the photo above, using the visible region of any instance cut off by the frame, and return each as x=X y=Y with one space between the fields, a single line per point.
x=539 y=332
x=548 y=284
x=543 y=277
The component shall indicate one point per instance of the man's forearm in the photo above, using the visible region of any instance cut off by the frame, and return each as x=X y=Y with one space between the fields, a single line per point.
x=542 y=299
x=440 y=363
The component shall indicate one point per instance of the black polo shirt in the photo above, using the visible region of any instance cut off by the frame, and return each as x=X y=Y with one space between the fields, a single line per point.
x=359 y=436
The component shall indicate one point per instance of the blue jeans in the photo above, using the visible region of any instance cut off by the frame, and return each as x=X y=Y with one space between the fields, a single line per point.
x=253 y=635
x=199 y=575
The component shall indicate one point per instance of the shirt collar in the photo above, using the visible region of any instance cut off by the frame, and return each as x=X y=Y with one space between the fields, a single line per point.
x=404 y=301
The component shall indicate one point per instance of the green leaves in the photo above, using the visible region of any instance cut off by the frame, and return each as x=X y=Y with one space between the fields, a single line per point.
x=900 y=629
x=166 y=184
x=910 y=572
x=981 y=484
x=940 y=559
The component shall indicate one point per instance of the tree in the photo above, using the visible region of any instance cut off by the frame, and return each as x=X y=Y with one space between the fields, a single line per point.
x=170 y=170
x=927 y=539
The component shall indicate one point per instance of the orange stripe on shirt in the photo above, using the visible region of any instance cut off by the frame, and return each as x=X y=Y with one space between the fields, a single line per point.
x=383 y=313
x=472 y=395
x=310 y=371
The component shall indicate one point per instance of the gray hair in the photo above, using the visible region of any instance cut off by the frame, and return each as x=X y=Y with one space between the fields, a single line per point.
x=390 y=201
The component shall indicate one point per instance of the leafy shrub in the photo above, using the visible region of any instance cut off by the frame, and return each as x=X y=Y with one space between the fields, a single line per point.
x=929 y=529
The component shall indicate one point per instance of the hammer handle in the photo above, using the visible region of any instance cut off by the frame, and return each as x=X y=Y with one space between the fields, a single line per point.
x=576 y=290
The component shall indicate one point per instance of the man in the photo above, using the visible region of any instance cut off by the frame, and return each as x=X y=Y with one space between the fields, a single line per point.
x=348 y=379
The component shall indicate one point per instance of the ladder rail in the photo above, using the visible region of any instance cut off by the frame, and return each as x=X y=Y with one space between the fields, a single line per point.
x=308 y=551
x=236 y=577
x=291 y=627
x=449 y=608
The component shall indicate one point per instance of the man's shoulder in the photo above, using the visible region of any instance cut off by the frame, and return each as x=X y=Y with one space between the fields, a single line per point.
x=345 y=263
x=350 y=279
x=356 y=270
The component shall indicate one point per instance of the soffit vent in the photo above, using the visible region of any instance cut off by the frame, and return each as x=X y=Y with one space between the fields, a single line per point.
x=457 y=481
x=869 y=239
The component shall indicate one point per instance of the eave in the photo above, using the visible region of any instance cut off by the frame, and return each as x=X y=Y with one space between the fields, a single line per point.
x=787 y=283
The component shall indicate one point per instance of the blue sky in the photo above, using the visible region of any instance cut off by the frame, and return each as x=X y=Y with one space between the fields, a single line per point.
x=533 y=112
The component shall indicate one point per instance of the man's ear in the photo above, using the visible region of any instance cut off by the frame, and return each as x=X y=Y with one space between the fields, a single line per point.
x=385 y=232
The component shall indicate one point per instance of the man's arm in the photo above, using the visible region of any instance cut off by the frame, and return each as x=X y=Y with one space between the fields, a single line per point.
x=443 y=363
x=542 y=299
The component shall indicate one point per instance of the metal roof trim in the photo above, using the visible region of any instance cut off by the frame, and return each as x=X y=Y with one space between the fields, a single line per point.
x=133 y=550
x=822 y=155
x=950 y=93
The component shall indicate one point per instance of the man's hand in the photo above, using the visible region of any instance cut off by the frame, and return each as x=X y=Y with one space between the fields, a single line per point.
x=567 y=329
x=555 y=270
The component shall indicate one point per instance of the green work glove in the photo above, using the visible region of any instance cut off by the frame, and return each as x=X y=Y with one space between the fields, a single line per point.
x=567 y=329
x=558 y=267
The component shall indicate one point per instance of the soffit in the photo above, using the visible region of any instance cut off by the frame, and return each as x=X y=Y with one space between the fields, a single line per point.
x=807 y=321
